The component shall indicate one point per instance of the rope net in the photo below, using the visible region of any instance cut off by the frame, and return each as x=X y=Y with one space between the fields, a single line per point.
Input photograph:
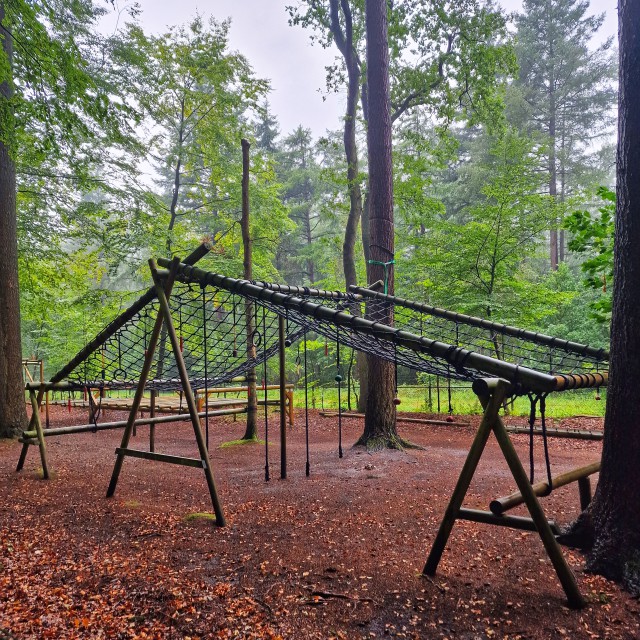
x=211 y=314
x=520 y=347
x=211 y=325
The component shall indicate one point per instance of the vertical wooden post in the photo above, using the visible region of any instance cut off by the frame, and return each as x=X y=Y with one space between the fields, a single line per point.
x=152 y=414
x=46 y=402
x=283 y=391
x=290 y=407
x=43 y=449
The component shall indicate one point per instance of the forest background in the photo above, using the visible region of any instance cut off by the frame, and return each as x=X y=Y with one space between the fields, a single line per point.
x=503 y=162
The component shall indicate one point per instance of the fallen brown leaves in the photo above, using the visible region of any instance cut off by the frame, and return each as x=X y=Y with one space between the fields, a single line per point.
x=337 y=555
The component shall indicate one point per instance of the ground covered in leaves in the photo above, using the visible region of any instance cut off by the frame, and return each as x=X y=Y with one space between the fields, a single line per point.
x=336 y=555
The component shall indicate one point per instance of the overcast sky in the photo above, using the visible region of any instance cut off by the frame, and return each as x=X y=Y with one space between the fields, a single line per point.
x=283 y=54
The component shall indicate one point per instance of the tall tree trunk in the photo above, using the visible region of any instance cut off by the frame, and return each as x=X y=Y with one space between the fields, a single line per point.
x=251 y=432
x=343 y=38
x=13 y=415
x=611 y=525
x=380 y=421
x=553 y=178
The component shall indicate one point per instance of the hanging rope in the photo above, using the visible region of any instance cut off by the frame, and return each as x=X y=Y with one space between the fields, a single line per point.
x=206 y=366
x=266 y=414
x=339 y=381
x=306 y=406
x=534 y=399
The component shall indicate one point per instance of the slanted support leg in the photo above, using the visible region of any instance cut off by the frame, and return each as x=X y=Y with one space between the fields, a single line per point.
x=35 y=406
x=567 y=579
x=471 y=463
x=32 y=425
x=165 y=313
x=144 y=375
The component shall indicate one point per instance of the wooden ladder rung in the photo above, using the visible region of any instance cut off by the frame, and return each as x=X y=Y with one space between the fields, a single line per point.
x=163 y=457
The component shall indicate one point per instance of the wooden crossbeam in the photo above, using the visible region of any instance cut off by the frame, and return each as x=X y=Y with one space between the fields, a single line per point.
x=162 y=457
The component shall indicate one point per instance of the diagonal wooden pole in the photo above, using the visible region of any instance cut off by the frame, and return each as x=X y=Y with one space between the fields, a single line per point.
x=35 y=407
x=491 y=408
x=144 y=374
x=32 y=425
x=567 y=579
x=165 y=312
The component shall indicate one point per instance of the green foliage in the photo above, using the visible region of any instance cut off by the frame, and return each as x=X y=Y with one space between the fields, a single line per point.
x=477 y=261
x=592 y=237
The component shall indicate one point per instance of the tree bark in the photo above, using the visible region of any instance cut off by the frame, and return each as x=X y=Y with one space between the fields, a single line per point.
x=343 y=37
x=251 y=431
x=13 y=415
x=610 y=527
x=380 y=421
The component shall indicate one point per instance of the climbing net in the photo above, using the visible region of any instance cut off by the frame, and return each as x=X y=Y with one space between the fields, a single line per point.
x=217 y=342
x=227 y=326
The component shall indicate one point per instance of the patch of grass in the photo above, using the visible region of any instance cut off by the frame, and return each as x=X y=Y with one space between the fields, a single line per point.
x=199 y=515
x=132 y=504
x=234 y=443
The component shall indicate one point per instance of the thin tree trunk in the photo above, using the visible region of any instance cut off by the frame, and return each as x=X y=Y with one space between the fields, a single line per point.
x=251 y=432
x=611 y=525
x=380 y=420
x=13 y=416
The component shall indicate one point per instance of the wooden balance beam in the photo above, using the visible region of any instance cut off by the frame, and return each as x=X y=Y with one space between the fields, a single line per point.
x=399 y=418
x=30 y=437
x=581 y=475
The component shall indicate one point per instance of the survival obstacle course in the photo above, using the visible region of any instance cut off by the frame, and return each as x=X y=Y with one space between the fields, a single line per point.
x=195 y=329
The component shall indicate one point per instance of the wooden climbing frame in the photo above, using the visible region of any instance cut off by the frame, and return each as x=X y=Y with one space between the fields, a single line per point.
x=163 y=291
x=492 y=393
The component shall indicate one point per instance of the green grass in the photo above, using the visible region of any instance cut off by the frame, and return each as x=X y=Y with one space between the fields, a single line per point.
x=464 y=401
x=234 y=443
x=199 y=515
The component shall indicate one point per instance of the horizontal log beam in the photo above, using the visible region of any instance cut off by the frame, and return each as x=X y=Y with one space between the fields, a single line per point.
x=163 y=457
x=105 y=426
x=482 y=323
x=513 y=522
x=528 y=378
x=574 y=434
x=499 y=506
x=399 y=418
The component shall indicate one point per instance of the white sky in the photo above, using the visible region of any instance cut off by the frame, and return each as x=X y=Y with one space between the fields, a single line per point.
x=284 y=55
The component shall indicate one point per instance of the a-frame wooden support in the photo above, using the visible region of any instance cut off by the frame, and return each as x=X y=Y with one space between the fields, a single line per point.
x=35 y=423
x=492 y=393
x=164 y=316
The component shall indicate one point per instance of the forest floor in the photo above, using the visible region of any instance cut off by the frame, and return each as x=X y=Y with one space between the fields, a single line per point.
x=336 y=555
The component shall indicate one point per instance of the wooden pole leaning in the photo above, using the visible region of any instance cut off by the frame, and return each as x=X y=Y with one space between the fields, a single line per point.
x=492 y=394
x=35 y=415
x=144 y=374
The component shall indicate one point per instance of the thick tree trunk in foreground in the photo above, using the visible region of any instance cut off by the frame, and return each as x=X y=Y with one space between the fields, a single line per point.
x=251 y=432
x=611 y=526
x=13 y=416
x=380 y=422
